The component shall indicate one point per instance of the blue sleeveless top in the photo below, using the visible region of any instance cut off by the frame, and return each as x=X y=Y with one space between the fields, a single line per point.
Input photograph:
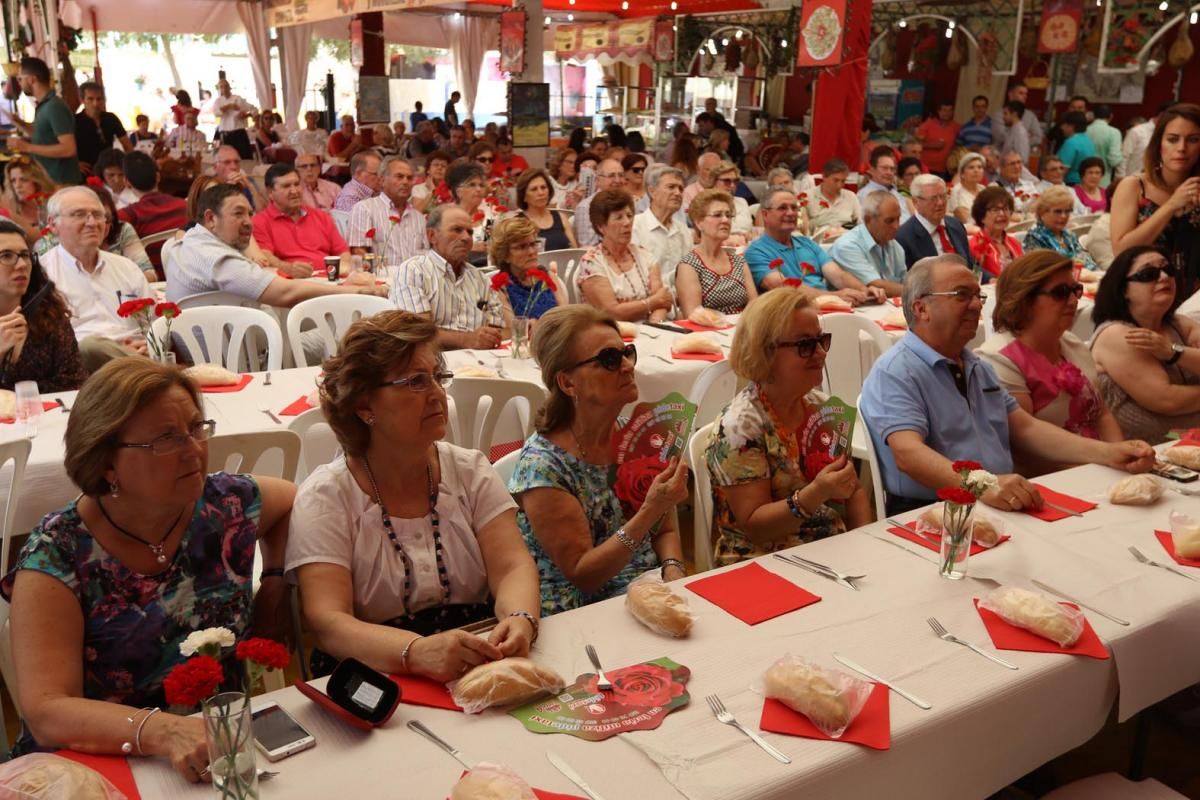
x=518 y=296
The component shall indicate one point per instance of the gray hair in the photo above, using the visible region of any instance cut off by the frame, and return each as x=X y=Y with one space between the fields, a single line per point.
x=656 y=172
x=779 y=172
x=433 y=220
x=769 y=201
x=919 y=281
x=55 y=203
x=925 y=179
x=872 y=204
x=389 y=160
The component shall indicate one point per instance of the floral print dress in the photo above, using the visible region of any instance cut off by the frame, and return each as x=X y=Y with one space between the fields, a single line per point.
x=133 y=623
x=543 y=464
x=749 y=444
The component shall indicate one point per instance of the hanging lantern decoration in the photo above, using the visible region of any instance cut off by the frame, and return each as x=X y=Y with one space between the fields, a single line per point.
x=887 y=52
x=1181 y=50
x=750 y=54
x=733 y=56
x=958 y=50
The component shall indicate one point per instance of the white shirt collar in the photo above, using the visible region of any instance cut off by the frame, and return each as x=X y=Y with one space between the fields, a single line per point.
x=930 y=227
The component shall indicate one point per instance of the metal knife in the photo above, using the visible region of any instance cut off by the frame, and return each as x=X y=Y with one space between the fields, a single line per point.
x=454 y=752
x=912 y=698
x=1061 y=509
x=890 y=539
x=1078 y=602
x=574 y=777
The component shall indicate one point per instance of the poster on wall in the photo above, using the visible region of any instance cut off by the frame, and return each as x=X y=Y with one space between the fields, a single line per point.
x=822 y=29
x=664 y=41
x=512 y=41
x=529 y=114
x=1059 y=31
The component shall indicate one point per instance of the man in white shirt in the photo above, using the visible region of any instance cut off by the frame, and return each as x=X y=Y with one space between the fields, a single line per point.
x=93 y=282
x=231 y=112
x=609 y=175
x=187 y=137
x=706 y=177
x=1012 y=178
x=1137 y=139
x=659 y=228
x=399 y=228
x=440 y=284
x=310 y=138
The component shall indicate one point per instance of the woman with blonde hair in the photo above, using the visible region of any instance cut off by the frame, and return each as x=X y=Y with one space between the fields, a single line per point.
x=768 y=493
x=590 y=533
x=564 y=178
x=1053 y=209
x=709 y=276
x=513 y=249
x=967 y=185
x=27 y=187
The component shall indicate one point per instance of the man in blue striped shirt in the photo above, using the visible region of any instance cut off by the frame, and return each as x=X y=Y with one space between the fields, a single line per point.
x=977 y=131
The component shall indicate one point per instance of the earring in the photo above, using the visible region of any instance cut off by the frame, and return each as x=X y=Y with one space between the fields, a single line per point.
x=369 y=419
x=113 y=489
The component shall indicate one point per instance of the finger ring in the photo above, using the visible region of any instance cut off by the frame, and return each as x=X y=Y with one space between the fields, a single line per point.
x=203 y=772
x=464 y=669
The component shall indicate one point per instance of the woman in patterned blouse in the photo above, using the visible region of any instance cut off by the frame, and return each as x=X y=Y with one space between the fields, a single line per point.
x=771 y=493
x=709 y=276
x=1054 y=213
x=106 y=590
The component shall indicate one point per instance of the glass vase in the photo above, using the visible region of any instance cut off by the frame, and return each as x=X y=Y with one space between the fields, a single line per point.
x=520 y=337
x=231 y=746
x=958 y=526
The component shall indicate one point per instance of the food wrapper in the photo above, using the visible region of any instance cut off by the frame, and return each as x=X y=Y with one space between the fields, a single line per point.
x=707 y=317
x=829 y=698
x=629 y=330
x=476 y=371
x=652 y=603
x=832 y=301
x=1136 y=490
x=509 y=681
x=988 y=530
x=698 y=343
x=212 y=375
x=1185 y=534
x=491 y=782
x=42 y=776
x=1036 y=613
x=1185 y=455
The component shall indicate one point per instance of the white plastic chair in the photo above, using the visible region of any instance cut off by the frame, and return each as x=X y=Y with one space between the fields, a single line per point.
x=160 y=237
x=505 y=466
x=1111 y=786
x=715 y=386
x=1084 y=326
x=201 y=299
x=864 y=448
x=218 y=335
x=844 y=373
x=318 y=445
x=332 y=315
x=477 y=419
x=342 y=220
x=568 y=262
x=702 y=508
x=18 y=453
x=1022 y=226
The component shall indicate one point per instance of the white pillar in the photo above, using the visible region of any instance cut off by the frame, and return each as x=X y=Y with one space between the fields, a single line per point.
x=534 y=44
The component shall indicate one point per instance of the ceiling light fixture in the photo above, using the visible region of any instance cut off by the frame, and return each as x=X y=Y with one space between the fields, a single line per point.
x=674 y=5
x=1192 y=20
x=624 y=5
x=783 y=43
x=949 y=33
x=547 y=20
x=570 y=17
x=903 y=23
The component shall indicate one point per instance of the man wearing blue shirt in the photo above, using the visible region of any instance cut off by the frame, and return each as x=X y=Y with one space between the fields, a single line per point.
x=929 y=401
x=1076 y=145
x=870 y=251
x=977 y=131
x=777 y=255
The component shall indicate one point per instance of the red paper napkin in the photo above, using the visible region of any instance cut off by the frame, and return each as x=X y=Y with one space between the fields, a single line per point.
x=1188 y=438
x=691 y=326
x=235 y=387
x=342 y=282
x=1010 y=637
x=46 y=406
x=1168 y=544
x=887 y=326
x=1065 y=500
x=752 y=594
x=835 y=310
x=871 y=728
x=896 y=301
x=296 y=407
x=936 y=545
x=542 y=794
x=697 y=356
x=115 y=768
x=417 y=691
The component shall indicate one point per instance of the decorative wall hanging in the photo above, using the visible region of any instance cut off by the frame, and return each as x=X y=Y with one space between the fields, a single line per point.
x=1059 y=30
x=822 y=23
x=512 y=41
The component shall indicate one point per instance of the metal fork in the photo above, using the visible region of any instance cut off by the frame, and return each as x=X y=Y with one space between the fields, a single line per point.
x=831 y=570
x=58 y=401
x=663 y=359
x=266 y=774
x=827 y=574
x=1142 y=558
x=723 y=716
x=602 y=681
x=946 y=635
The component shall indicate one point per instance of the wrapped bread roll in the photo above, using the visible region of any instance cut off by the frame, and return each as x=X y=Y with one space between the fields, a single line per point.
x=491 y=782
x=1185 y=455
x=895 y=318
x=652 y=603
x=509 y=681
x=1185 y=534
x=1036 y=613
x=987 y=531
x=828 y=301
x=1136 y=490
x=42 y=776
x=212 y=375
x=707 y=317
x=475 y=371
x=829 y=698
x=359 y=279
x=629 y=330
x=696 y=343
x=8 y=403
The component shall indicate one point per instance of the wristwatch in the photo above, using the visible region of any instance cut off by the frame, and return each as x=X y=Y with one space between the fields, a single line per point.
x=1176 y=353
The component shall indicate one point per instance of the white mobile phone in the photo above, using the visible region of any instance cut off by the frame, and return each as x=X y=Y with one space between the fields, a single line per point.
x=277 y=734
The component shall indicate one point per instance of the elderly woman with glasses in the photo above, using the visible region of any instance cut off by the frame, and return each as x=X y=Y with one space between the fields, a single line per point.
x=403 y=539
x=591 y=528
x=154 y=549
x=992 y=247
x=709 y=276
x=769 y=493
x=425 y=191
x=1053 y=210
x=514 y=250
x=1046 y=368
x=469 y=186
x=1148 y=356
x=726 y=176
x=970 y=180
x=618 y=276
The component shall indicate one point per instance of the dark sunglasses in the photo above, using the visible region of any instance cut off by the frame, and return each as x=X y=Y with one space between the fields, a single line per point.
x=610 y=357
x=1063 y=291
x=485 y=160
x=807 y=346
x=637 y=170
x=1152 y=274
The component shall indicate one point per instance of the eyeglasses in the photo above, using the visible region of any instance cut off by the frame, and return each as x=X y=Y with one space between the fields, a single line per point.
x=934 y=198
x=170 y=443
x=610 y=175
x=1063 y=291
x=793 y=209
x=807 y=346
x=610 y=357
x=473 y=185
x=727 y=181
x=961 y=295
x=421 y=382
x=525 y=246
x=997 y=209
x=9 y=258
x=637 y=170
x=82 y=214
x=1059 y=211
x=720 y=215
x=1152 y=274
x=484 y=159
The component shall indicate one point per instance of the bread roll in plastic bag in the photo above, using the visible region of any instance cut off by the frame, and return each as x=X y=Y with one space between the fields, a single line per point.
x=1185 y=455
x=1136 y=490
x=696 y=343
x=652 y=603
x=212 y=375
x=42 y=776
x=987 y=531
x=509 y=681
x=629 y=330
x=1036 y=613
x=1185 y=533
x=707 y=317
x=832 y=301
x=829 y=698
x=491 y=782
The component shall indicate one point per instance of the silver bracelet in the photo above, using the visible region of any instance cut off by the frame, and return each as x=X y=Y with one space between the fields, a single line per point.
x=127 y=747
x=532 y=621
x=404 y=653
x=624 y=539
x=671 y=562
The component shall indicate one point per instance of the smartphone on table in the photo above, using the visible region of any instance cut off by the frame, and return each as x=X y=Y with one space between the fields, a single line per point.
x=279 y=735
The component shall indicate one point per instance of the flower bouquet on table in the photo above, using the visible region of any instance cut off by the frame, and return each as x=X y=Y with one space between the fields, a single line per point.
x=140 y=310
x=522 y=324
x=958 y=512
x=227 y=724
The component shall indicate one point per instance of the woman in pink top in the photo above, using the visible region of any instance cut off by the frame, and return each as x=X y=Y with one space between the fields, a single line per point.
x=1088 y=190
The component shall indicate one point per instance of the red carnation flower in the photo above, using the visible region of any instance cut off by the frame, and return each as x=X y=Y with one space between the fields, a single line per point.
x=266 y=652
x=967 y=466
x=807 y=268
x=94 y=182
x=824 y=204
x=793 y=282
x=193 y=681
x=478 y=216
x=131 y=307
x=802 y=197
x=501 y=210
x=167 y=310
x=394 y=220
x=499 y=281
x=956 y=495
x=776 y=264
x=370 y=234
x=544 y=277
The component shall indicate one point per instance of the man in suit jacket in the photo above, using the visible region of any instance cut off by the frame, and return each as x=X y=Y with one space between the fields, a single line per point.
x=929 y=232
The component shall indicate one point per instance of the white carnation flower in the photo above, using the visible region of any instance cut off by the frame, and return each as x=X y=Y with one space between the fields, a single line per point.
x=981 y=480
x=208 y=639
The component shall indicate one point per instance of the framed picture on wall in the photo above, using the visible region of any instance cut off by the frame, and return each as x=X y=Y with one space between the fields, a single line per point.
x=529 y=114
x=512 y=41
x=374 y=102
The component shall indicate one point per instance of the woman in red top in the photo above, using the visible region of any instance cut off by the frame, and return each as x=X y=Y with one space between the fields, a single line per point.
x=991 y=246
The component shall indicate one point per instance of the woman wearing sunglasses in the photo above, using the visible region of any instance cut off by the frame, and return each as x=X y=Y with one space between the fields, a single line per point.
x=635 y=180
x=1046 y=368
x=1053 y=211
x=1148 y=357
x=404 y=538
x=592 y=528
x=768 y=492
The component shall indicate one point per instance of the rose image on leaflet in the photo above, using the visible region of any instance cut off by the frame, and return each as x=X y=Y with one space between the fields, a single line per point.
x=647 y=685
x=634 y=479
x=814 y=462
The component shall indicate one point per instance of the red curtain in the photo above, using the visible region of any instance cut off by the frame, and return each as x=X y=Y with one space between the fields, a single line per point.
x=841 y=95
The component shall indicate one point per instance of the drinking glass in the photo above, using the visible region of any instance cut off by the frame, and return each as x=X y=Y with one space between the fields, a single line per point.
x=29 y=406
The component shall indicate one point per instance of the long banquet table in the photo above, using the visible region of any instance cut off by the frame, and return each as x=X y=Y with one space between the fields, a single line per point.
x=988 y=725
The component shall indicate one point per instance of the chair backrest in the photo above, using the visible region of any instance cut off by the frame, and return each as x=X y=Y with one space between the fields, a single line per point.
x=245 y=452
x=159 y=238
x=479 y=402
x=18 y=453
x=221 y=335
x=872 y=459
x=1084 y=326
x=332 y=315
x=318 y=443
x=506 y=465
x=201 y=299
x=844 y=364
x=715 y=386
x=702 y=508
x=1023 y=225
x=342 y=220
x=167 y=255
x=567 y=261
